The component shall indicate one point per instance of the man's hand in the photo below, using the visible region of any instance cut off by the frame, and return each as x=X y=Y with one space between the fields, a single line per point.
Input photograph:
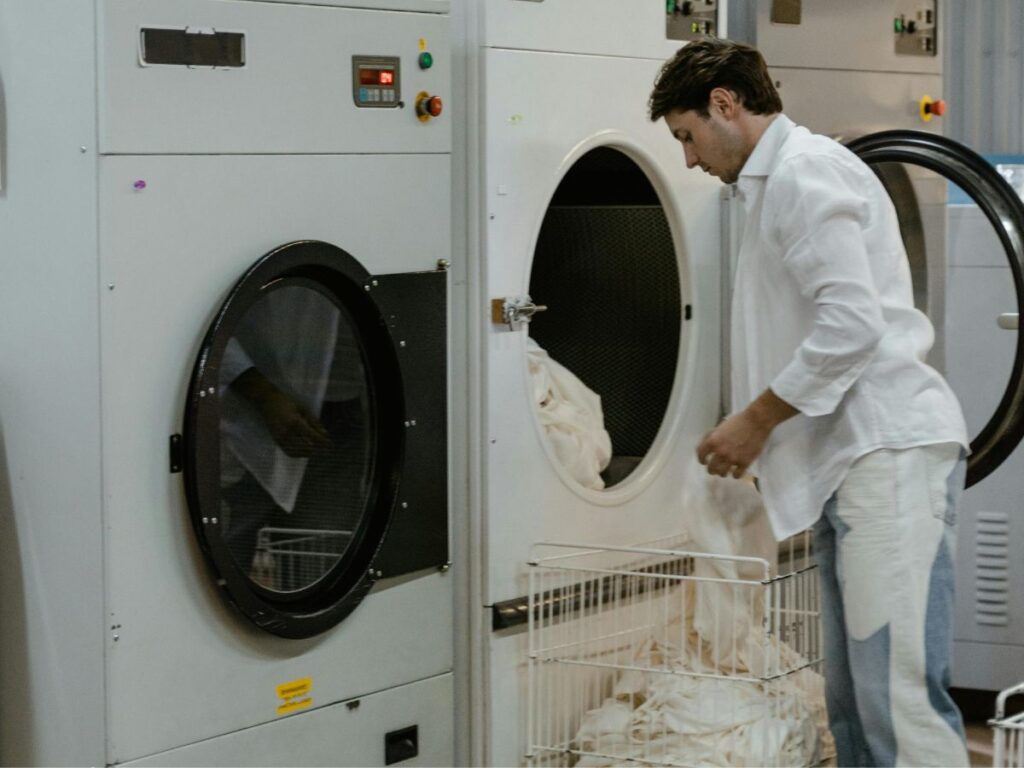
x=733 y=445
x=298 y=432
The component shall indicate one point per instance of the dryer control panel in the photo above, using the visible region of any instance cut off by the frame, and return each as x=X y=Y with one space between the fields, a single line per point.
x=691 y=19
x=376 y=81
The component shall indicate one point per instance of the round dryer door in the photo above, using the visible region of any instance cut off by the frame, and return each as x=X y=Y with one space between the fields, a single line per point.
x=295 y=437
x=890 y=153
x=606 y=272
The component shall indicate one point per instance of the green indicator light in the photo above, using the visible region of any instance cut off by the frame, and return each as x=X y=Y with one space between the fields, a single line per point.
x=426 y=60
x=897 y=25
x=670 y=6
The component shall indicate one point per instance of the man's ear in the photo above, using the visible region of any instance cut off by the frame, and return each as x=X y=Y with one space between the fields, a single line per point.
x=723 y=101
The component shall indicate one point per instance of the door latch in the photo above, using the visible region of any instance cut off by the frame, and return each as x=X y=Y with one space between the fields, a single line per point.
x=514 y=311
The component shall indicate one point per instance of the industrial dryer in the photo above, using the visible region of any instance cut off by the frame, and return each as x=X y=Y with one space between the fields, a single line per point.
x=223 y=220
x=584 y=235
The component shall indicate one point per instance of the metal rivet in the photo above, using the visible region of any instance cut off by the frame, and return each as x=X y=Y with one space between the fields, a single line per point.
x=213 y=520
x=401 y=343
x=82 y=149
x=444 y=568
x=375 y=283
x=407 y=423
x=116 y=638
x=202 y=393
x=405 y=505
x=366 y=287
x=210 y=390
x=206 y=520
x=413 y=422
x=380 y=573
x=110 y=286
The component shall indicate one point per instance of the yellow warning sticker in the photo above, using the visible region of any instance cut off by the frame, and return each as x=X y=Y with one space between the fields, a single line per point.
x=295 y=695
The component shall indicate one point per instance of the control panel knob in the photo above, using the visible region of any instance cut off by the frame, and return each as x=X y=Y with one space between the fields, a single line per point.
x=428 y=106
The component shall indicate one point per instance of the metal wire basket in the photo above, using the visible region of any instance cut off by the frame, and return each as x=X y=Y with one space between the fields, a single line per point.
x=664 y=656
x=287 y=559
x=1008 y=732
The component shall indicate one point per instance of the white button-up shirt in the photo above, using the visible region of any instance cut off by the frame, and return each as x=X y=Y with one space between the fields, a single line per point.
x=823 y=314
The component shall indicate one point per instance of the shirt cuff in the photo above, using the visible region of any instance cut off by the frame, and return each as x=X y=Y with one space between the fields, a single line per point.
x=812 y=394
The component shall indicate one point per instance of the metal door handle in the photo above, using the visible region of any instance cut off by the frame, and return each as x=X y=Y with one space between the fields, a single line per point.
x=1008 y=321
x=514 y=311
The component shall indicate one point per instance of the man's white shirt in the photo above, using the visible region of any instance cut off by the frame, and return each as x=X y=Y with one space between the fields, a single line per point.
x=823 y=314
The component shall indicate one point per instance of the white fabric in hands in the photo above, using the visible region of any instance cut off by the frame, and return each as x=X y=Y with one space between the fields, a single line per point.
x=571 y=415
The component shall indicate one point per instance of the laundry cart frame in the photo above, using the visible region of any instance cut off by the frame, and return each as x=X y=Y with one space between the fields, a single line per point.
x=602 y=618
x=1008 y=732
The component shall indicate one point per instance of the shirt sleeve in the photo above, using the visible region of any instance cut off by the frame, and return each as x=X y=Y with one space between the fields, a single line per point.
x=815 y=213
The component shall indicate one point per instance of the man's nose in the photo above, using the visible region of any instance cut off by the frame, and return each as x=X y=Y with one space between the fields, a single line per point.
x=692 y=161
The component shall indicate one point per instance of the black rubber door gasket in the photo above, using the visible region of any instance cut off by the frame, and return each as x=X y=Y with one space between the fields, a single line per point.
x=1005 y=212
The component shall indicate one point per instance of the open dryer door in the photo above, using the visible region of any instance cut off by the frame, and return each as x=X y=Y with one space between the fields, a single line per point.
x=1004 y=210
x=315 y=444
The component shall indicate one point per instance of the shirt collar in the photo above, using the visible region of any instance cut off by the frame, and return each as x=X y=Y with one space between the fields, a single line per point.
x=762 y=159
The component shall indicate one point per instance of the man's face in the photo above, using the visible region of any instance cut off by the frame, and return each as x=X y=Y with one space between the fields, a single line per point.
x=714 y=142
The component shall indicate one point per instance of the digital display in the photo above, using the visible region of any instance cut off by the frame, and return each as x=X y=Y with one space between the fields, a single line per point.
x=376 y=81
x=385 y=77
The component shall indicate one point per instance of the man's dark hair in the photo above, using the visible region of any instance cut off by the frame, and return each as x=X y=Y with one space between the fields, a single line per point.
x=687 y=79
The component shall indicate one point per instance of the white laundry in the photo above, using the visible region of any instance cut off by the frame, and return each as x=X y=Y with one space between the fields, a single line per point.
x=704 y=701
x=571 y=415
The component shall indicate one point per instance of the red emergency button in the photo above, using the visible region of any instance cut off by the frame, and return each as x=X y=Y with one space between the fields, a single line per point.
x=930 y=108
x=428 y=106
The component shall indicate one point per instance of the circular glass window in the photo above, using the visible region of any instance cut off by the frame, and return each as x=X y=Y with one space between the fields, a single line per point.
x=606 y=269
x=289 y=444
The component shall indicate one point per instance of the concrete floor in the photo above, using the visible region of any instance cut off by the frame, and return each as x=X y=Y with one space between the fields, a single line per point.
x=977 y=707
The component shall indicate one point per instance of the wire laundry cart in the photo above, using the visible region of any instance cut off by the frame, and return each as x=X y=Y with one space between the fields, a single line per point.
x=1008 y=732
x=663 y=656
x=288 y=559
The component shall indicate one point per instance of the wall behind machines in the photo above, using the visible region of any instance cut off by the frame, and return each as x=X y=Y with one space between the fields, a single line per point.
x=985 y=74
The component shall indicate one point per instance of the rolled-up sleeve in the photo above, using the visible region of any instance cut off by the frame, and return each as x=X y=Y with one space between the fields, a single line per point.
x=817 y=218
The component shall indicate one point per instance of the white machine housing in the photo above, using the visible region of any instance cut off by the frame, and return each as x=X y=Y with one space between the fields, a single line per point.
x=133 y=199
x=546 y=83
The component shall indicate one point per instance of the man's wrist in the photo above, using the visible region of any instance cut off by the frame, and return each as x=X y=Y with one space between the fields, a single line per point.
x=769 y=410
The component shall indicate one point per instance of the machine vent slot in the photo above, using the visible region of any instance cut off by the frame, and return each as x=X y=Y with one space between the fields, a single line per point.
x=193 y=47
x=992 y=569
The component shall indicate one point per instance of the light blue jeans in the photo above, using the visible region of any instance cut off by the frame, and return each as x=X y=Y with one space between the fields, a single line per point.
x=885 y=551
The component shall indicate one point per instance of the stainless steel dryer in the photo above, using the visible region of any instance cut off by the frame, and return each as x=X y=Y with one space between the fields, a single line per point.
x=226 y=227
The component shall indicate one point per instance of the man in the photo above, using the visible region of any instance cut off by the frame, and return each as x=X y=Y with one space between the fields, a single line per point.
x=834 y=409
